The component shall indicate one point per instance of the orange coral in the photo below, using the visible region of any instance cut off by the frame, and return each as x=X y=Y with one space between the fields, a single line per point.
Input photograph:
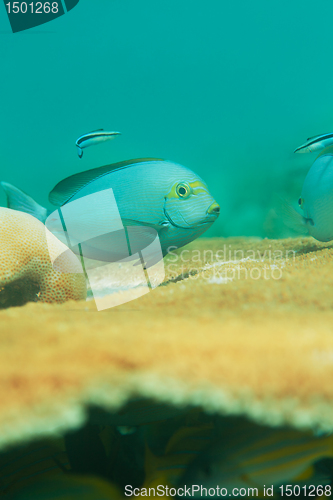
x=26 y=271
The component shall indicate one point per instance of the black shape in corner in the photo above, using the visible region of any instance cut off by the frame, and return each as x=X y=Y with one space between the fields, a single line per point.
x=70 y=4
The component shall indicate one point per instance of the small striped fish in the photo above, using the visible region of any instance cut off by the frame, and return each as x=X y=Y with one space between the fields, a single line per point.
x=247 y=454
x=93 y=138
x=166 y=465
x=316 y=143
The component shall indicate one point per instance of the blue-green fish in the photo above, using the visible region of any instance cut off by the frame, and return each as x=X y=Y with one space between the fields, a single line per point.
x=316 y=143
x=152 y=196
x=316 y=201
x=93 y=138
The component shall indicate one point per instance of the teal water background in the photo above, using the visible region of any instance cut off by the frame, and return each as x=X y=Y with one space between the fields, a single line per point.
x=228 y=89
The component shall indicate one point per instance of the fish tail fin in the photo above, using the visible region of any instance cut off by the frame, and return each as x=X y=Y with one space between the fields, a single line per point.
x=291 y=218
x=18 y=200
x=79 y=151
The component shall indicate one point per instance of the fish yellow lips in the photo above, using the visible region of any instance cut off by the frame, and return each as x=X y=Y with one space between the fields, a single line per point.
x=214 y=209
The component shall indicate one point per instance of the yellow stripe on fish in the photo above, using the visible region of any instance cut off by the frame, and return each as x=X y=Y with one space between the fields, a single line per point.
x=250 y=454
x=182 y=449
x=182 y=190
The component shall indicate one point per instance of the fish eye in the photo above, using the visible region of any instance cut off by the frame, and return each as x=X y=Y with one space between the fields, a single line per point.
x=183 y=190
x=300 y=202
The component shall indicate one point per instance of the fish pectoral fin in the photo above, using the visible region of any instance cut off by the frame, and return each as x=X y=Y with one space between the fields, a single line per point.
x=291 y=218
x=79 y=151
x=133 y=222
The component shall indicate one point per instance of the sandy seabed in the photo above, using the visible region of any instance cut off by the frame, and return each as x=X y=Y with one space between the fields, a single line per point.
x=239 y=326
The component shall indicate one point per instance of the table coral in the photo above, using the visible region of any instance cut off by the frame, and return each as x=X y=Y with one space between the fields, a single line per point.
x=240 y=327
x=26 y=272
x=258 y=347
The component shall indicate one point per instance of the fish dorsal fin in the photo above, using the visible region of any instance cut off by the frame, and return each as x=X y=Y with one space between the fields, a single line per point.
x=97 y=130
x=68 y=187
x=316 y=136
